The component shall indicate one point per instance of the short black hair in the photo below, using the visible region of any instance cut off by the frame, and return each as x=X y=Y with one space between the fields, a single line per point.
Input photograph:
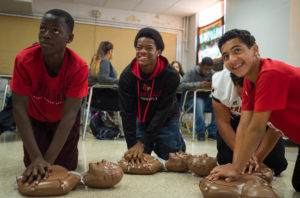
x=61 y=13
x=244 y=35
x=207 y=61
x=153 y=34
x=237 y=80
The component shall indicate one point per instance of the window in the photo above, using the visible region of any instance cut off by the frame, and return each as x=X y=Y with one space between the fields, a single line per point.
x=208 y=37
x=210 y=30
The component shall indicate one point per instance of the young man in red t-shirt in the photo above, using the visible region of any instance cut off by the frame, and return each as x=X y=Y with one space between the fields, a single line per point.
x=48 y=84
x=271 y=97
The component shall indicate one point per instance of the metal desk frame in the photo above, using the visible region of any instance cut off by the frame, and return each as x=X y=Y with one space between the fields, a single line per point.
x=97 y=85
x=195 y=91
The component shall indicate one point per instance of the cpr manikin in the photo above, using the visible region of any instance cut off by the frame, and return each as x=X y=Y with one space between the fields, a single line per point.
x=178 y=162
x=201 y=164
x=103 y=174
x=256 y=185
x=148 y=166
x=59 y=182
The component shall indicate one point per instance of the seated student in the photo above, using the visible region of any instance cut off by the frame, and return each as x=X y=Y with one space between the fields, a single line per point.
x=178 y=67
x=48 y=84
x=102 y=71
x=149 y=108
x=227 y=102
x=200 y=77
x=271 y=97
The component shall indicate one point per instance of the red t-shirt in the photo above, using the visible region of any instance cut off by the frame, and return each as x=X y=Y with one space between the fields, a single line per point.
x=277 y=90
x=47 y=94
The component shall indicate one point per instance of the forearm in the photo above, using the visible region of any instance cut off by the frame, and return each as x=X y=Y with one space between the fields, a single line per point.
x=24 y=128
x=246 y=146
x=61 y=135
x=187 y=85
x=103 y=78
x=228 y=135
x=269 y=141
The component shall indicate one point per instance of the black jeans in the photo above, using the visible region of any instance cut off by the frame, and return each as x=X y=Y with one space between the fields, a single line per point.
x=275 y=160
x=296 y=174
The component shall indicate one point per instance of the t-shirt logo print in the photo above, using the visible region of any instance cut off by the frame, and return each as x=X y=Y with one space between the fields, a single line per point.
x=146 y=88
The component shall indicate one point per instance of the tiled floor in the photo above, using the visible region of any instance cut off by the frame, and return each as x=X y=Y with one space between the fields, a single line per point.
x=159 y=185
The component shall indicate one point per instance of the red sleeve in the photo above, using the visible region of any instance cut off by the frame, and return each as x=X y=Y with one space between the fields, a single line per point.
x=271 y=91
x=248 y=96
x=21 y=81
x=78 y=85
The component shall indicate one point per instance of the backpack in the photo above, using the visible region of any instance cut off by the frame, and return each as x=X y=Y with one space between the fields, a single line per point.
x=103 y=127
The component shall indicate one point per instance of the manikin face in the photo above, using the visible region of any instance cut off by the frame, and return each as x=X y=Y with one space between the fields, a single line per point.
x=54 y=34
x=176 y=66
x=238 y=58
x=205 y=70
x=146 y=54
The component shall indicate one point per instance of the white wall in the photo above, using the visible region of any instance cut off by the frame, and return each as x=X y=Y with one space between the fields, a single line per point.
x=190 y=44
x=294 y=42
x=267 y=20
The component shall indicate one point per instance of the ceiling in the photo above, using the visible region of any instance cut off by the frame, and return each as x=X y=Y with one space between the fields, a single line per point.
x=178 y=8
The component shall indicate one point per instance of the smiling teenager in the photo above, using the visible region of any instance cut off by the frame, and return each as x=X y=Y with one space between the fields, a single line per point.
x=149 y=108
x=270 y=97
x=48 y=84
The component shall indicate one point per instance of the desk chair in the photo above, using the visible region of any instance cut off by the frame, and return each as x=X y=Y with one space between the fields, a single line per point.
x=4 y=89
x=89 y=99
x=184 y=111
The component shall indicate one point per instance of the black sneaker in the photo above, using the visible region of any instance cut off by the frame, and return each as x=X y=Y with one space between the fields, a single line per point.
x=212 y=136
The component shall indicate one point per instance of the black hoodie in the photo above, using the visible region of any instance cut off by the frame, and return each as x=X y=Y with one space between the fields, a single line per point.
x=152 y=100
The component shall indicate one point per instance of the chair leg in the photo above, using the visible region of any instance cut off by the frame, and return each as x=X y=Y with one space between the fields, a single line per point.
x=87 y=112
x=120 y=125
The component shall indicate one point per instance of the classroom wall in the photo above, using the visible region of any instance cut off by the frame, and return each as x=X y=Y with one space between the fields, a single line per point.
x=294 y=42
x=18 y=33
x=267 y=20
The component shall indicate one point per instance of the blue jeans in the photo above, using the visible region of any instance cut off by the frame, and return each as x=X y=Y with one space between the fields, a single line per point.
x=204 y=105
x=168 y=139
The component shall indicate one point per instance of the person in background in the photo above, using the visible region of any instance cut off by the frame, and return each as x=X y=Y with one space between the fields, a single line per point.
x=48 y=83
x=271 y=97
x=200 y=77
x=148 y=103
x=177 y=65
x=102 y=71
x=227 y=102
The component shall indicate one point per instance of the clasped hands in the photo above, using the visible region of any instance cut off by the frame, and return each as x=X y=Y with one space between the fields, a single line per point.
x=38 y=170
x=135 y=155
x=229 y=172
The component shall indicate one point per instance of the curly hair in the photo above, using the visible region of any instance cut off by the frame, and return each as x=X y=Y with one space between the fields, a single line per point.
x=153 y=34
x=244 y=35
